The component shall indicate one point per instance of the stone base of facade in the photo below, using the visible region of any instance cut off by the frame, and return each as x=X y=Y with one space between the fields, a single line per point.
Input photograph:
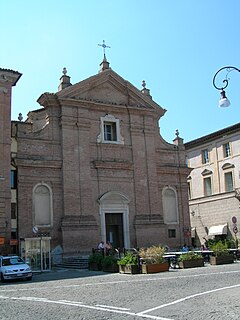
x=79 y=234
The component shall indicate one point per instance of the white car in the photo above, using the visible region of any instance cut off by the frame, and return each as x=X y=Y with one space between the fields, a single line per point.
x=14 y=267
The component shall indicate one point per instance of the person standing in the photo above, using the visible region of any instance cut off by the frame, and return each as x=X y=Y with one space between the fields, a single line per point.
x=108 y=247
x=101 y=247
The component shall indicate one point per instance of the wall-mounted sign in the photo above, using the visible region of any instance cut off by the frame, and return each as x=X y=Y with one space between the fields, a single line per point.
x=235 y=229
x=35 y=229
x=13 y=242
x=234 y=219
x=2 y=240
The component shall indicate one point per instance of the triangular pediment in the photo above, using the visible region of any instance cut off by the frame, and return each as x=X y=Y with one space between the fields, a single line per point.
x=108 y=87
x=206 y=172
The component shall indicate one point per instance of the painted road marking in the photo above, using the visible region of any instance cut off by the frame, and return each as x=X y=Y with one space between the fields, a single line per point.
x=111 y=307
x=67 y=301
x=78 y=304
x=187 y=298
x=5 y=288
x=143 y=314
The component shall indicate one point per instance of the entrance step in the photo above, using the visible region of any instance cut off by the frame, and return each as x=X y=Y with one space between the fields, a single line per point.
x=73 y=263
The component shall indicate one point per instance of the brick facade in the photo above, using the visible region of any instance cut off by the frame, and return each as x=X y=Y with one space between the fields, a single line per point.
x=61 y=146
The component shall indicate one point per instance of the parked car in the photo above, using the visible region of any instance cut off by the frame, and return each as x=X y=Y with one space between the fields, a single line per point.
x=14 y=267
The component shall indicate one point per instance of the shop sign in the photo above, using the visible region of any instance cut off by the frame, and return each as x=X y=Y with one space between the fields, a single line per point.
x=2 y=240
x=13 y=242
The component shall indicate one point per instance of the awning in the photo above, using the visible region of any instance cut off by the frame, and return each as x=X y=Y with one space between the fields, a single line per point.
x=217 y=230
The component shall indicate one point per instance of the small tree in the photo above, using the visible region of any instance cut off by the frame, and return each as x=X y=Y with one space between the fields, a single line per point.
x=219 y=248
x=153 y=254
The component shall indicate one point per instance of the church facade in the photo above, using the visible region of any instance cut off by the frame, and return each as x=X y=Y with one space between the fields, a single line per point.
x=90 y=165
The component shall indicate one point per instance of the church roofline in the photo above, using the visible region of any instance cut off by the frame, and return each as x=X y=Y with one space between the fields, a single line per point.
x=86 y=84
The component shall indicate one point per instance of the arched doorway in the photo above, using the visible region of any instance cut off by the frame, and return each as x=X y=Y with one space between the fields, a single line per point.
x=114 y=217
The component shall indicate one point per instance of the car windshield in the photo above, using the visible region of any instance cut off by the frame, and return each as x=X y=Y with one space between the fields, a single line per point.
x=12 y=261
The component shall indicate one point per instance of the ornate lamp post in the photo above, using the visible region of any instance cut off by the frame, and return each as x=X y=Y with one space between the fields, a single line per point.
x=224 y=102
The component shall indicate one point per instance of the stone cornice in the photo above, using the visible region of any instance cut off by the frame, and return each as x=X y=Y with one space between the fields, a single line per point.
x=37 y=163
x=8 y=75
x=117 y=165
x=78 y=222
x=98 y=105
x=213 y=136
x=173 y=170
x=146 y=219
x=48 y=99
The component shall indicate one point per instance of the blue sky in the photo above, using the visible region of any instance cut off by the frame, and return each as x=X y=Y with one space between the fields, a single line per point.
x=176 y=46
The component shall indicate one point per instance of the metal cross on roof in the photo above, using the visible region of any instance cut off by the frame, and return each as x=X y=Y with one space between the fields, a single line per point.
x=104 y=46
x=64 y=71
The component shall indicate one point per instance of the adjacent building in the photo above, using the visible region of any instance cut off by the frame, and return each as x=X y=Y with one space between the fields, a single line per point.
x=8 y=228
x=90 y=165
x=214 y=185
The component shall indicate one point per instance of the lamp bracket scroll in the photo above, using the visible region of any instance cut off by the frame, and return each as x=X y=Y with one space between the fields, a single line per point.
x=226 y=80
x=224 y=102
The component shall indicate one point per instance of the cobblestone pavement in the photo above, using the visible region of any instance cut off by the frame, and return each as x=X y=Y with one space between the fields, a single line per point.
x=210 y=293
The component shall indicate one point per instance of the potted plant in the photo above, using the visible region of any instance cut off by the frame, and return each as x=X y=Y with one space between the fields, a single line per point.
x=95 y=262
x=190 y=260
x=109 y=264
x=128 y=264
x=152 y=259
x=221 y=254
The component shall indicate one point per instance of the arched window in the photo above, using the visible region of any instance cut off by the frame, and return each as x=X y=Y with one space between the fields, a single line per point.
x=170 y=210
x=42 y=205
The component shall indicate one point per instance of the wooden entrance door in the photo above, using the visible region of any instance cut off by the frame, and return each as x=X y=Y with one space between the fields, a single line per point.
x=114 y=229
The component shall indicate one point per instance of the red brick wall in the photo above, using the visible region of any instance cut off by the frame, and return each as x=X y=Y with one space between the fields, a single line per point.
x=66 y=156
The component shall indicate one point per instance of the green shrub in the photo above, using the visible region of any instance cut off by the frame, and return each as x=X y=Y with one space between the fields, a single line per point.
x=128 y=259
x=95 y=258
x=189 y=256
x=219 y=248
x=108 y=261
x=231 y=243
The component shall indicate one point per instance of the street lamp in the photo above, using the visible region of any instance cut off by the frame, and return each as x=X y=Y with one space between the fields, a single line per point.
x=224 y=102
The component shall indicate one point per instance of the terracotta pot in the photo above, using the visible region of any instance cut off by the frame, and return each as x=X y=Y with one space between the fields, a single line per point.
x=154 y=268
